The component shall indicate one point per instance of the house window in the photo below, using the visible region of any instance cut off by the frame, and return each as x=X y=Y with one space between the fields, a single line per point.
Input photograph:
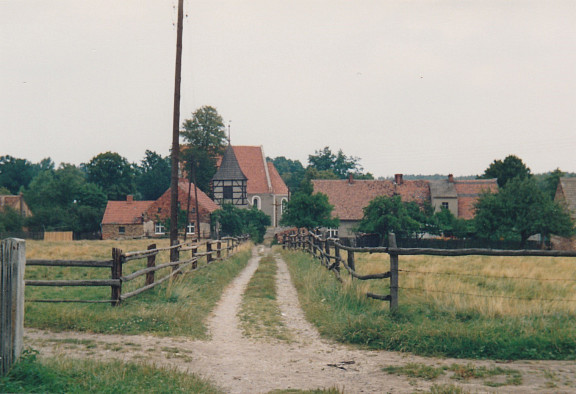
x=190 y=228
x=121 y=230
x=445 y=205
x=159 y=228
x=256 y=202
x=332 y=233
x=228 y=192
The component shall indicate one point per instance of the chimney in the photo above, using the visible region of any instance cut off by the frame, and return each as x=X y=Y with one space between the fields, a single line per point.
x=350 y=179
x=129 y=198
x=450 y=178
x=398 y=179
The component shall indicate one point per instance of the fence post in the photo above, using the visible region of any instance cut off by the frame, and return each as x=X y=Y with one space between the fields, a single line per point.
x=151 y=263
x=327 y=251
x=393 y=273
x=337 y=258
x=12 y=265
x=117 y=260
x=175 y=255
x=219 y=250
x=351 y=262
x=208 y=252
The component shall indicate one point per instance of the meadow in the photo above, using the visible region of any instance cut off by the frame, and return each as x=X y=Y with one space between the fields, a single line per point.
x=481 y=307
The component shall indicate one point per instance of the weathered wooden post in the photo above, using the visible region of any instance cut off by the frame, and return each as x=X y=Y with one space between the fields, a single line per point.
x=327 y=251
x=393 y=272
x=12 y=265
x=117 y=260
x=284 y=241
x=175 y=254
x=219 y=250
x=337 y=258
x=208 y=252
x=351 y=262
x=151 y=263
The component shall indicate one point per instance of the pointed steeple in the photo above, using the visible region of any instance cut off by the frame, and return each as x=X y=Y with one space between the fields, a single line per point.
x=229 y=168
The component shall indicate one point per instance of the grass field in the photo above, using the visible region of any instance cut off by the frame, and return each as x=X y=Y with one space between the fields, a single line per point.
x=457 y=306
x=177 y=307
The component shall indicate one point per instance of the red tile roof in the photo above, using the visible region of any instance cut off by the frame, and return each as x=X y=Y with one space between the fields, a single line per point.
x=349 y=198
x=468 y=192
x=125 y=212
x=161 y=207
x=278 y=184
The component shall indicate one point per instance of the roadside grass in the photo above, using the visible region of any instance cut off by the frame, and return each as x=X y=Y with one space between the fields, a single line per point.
x=492 y=376
x=436 y=322
x=176 y=307
x=260 y=315
x=86 y=376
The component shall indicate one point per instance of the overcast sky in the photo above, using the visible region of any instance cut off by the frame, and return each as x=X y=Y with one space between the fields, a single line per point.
x=413 y=87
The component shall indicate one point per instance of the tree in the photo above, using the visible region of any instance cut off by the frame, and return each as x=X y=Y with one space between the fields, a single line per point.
x=153 y=177
x=236 y=221
x=15 y=174
x=549 y=182
x=309 y=211
x=339 y=163
x=113 y=173
x=445 y=223
x=10 y=220
x=385 y=215
x=512 y=167
x=63 y=199
x=291 y=171
x=519 y=210
x=205 y=138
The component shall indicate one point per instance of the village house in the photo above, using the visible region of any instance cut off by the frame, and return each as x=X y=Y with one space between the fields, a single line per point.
x=245 y=179
x=17 y=203
x=350 y=196
x=132 y=219
x=566 y=195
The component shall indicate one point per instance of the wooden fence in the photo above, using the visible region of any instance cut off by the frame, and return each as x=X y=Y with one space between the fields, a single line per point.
x=12 y=265
x=321 y=248
x=214 y=250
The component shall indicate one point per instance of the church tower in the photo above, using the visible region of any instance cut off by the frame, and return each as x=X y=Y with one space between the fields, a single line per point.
x=229 y=182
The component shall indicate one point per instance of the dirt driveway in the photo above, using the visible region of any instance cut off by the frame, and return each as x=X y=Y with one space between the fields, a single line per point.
x=245 y=365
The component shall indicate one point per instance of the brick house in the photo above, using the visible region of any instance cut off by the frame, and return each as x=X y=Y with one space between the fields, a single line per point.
x=245 y=168
x=459 y=196
x=566 y=195
x=124 y=219
x=131 y=219
x=17 y=203
x=350 y=196
x=159 y=211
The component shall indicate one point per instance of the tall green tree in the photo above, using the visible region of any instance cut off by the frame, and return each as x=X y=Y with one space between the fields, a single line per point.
x=153 y=176
x=505 y=170
x=113 y=173
x=309 y=211
x=385 y=214
x=549 y=182
x=291 y=171
x=16 y=174
x=519 y=210
x=205 y=138
x=10 y=220
x=236 y=221
x=338 y=163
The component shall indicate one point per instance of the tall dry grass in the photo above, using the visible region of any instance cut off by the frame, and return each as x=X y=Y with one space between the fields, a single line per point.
x=491 y=286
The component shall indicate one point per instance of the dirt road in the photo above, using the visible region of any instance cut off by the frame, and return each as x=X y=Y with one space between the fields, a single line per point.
x=245 y=365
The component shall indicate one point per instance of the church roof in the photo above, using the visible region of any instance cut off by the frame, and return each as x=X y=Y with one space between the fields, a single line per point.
x=229 y=168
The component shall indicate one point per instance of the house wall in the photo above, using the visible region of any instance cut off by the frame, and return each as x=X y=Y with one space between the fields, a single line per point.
x=346 y=227
x=452 y=204
x=111 y=231
x=270 y=204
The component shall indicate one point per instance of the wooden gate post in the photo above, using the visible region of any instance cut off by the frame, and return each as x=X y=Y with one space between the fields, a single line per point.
x=393 y=273
x=117 y=260
x=208 y=252
x=151 y=263
x=12 y=265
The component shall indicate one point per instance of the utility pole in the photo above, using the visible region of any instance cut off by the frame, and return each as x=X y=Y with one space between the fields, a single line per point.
x=176 y=135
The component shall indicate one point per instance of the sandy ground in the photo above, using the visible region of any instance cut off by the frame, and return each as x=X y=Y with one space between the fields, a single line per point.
x=246 y=365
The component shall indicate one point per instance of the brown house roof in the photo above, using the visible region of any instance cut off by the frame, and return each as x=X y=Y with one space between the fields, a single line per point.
x=349 y=197
x=469 y=191
x=15 y=202
x=125 y=212
x=566 y=193
x=161 y=208
x=263 y=178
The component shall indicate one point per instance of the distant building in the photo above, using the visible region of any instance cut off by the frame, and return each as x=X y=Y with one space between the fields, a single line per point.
x=124 y=219
x=566 y=195
x=17 y=203
x=245 y=179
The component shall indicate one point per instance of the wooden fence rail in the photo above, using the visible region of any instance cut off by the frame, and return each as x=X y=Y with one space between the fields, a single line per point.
x=320 y=248
x=119 y=262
